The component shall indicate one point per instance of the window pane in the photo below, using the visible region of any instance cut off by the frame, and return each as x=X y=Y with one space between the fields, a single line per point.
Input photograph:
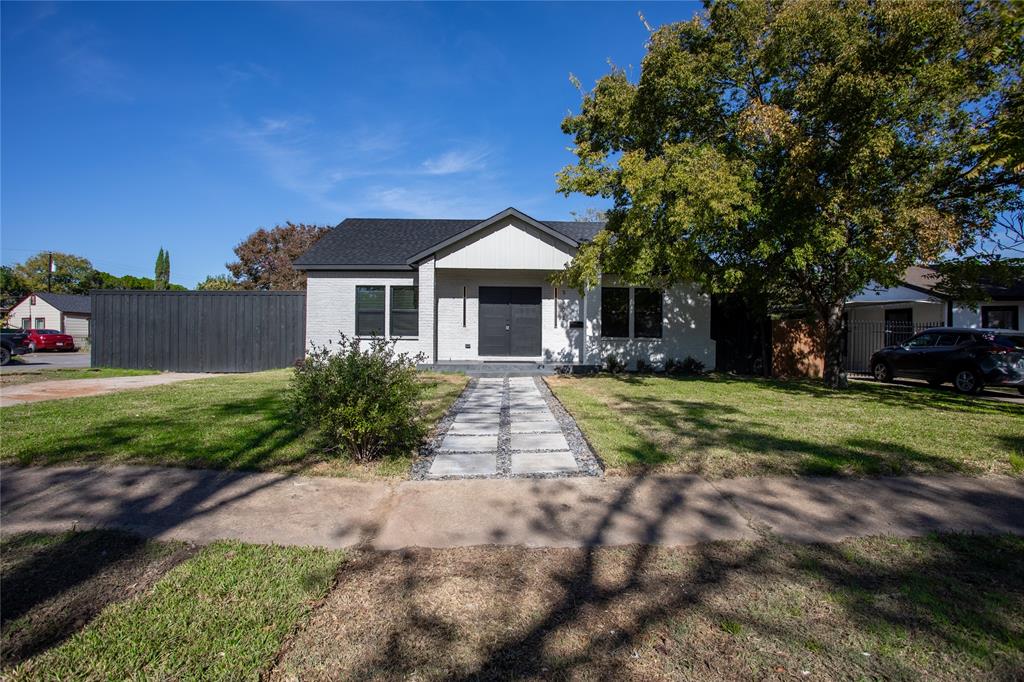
x=948 y=340
x=370 y=298
x=647 y=313
x=404 y=323
x=370 y=311
x=404 y=315
x=404 y=298
x=615 y=312
x=40 y=322
x=370 y=324
x=999 y=317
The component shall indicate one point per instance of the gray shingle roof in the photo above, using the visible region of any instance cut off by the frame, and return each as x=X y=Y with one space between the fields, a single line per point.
x=391 y=242
x=68 y=303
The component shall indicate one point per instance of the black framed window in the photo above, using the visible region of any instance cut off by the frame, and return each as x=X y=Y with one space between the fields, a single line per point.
x=369 y=311
x=615 y=312
x=1000 y=317
x=405 y=313
x=647 y=314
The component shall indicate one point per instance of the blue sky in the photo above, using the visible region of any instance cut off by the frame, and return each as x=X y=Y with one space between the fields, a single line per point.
x=126 y=127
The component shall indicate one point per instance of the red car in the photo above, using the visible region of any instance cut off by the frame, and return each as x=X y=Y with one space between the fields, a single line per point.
x=49 y=339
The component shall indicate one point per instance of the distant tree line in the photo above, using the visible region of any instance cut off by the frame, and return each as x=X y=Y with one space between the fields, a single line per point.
x=71 y=275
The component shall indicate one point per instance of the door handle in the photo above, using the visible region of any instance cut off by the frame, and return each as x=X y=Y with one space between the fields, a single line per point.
x=507 y=327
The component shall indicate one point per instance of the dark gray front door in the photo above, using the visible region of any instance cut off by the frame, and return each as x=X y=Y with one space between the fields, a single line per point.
x=510 y=321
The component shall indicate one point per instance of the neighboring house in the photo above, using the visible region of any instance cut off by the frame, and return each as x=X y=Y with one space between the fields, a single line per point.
x=915 y=301
x=886 y=316
x=67 y=313
x=461 y=291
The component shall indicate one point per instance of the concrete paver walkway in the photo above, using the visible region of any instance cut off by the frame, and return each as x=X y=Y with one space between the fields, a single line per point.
x=203 y=506
x=78 y=388
x=503 y=425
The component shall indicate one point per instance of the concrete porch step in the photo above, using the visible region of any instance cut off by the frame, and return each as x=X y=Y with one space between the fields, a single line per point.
x=485 y=369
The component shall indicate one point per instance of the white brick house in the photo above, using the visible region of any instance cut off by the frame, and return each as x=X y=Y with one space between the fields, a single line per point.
x=467 y=291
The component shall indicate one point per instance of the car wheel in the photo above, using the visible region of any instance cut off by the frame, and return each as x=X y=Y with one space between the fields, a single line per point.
x=31 y=347
x=967 y=382
x=5 y=356
x=882 y=371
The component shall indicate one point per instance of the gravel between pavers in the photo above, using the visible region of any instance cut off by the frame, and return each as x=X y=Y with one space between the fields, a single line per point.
x=588 y=463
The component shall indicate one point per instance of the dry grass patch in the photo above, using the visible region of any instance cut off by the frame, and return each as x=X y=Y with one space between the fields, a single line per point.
x=949 y=607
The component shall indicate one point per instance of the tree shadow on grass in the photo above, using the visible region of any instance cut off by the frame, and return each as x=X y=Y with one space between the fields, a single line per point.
x=709 y=427
x=715 y=611
x=54 y=585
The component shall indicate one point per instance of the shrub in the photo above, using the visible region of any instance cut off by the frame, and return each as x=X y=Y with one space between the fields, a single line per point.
x=688 y=367
x=642 y=366
x=361 y=401
x=613 y=365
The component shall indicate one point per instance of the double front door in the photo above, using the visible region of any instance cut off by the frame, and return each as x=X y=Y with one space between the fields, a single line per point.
x=510 y=321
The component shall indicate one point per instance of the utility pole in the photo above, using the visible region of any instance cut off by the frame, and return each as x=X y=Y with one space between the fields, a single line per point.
x=49 y=275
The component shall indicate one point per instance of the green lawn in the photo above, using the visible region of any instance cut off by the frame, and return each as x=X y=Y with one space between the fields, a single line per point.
x=63 y=374
x=231 y=422
x=222 y=614
x=725 y=427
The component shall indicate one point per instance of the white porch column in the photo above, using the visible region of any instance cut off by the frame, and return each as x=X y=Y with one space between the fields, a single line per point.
x=427 y=307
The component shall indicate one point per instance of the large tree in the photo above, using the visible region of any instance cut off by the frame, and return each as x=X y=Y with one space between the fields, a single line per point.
x=265 y=257
x=797 y=149
x=72 y=274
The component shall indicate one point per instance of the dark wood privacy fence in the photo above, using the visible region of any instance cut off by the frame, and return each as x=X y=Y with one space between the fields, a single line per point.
x=198 y=331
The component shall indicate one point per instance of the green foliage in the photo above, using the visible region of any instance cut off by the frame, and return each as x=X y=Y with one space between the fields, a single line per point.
x=799 y=150
x=613 y=364
x=218 y=283
x=13 y=287
x=73 y=274
x=688 y=367
x=104 y=280
x=162 y=270
x=364 y=402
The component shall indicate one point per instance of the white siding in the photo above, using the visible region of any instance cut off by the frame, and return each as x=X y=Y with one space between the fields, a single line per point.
x=40 y=309
x=965 y=316
x=923 y=313
x=686 y=330
x=509 y=245
x=331 y=304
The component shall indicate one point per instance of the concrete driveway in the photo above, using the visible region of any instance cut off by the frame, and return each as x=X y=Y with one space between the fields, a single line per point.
x=38 y=362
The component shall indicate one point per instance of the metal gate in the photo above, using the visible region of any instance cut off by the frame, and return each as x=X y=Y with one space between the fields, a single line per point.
x=198 y=331
x=864 y=338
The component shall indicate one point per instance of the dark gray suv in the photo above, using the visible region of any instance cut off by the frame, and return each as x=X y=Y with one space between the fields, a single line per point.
x=969 y=358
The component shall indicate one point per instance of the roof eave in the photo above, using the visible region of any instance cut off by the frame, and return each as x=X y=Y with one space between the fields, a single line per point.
x=351 y=266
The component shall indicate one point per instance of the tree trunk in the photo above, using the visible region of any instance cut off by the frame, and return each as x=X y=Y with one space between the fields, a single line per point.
x=835 y=373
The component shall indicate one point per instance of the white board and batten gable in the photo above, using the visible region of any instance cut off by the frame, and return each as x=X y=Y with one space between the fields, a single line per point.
x=508 y=244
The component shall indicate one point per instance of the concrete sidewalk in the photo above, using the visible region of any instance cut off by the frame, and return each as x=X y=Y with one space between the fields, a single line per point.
x=202 y=506
x=80 y=388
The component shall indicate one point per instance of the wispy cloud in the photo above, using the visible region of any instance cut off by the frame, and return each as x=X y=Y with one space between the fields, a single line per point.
x=366 y=170
x=456 y=161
